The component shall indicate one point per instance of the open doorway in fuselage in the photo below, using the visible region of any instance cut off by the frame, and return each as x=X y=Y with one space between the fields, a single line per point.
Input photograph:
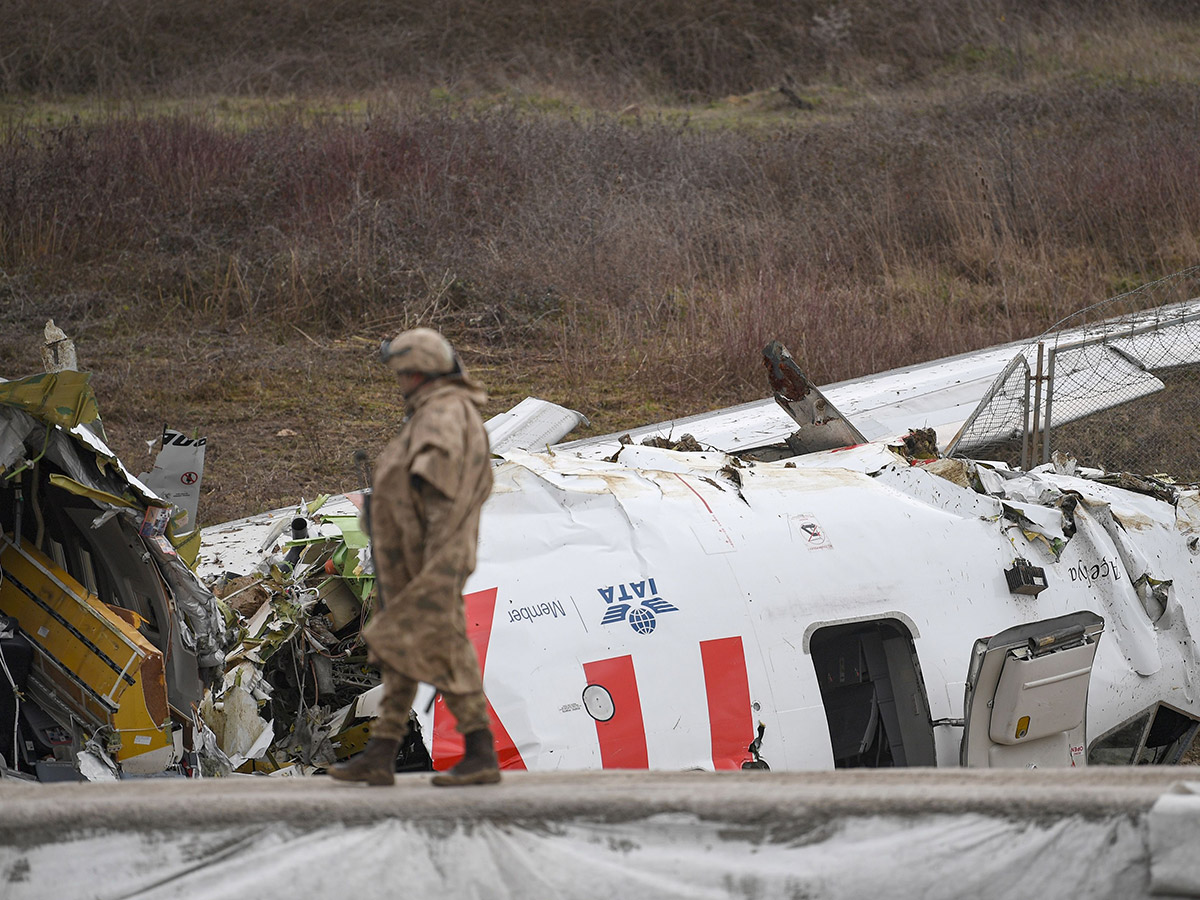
x=874 y=696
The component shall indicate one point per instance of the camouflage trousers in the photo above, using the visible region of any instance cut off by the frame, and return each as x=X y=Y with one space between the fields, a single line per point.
x=399 y=691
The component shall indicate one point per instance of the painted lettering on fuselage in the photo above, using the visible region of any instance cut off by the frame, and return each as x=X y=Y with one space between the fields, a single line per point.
x=635 y=602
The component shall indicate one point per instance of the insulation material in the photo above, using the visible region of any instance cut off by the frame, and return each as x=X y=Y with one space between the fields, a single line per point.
x=55 y=398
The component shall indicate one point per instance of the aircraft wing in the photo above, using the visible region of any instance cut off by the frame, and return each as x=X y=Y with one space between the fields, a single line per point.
x=942 y=394
x=939 y=394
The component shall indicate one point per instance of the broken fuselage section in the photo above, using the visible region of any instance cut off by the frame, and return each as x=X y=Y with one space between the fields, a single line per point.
x=870 y=606
x=113 y=637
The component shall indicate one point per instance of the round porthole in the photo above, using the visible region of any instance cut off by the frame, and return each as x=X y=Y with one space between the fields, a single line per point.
x=598 y=702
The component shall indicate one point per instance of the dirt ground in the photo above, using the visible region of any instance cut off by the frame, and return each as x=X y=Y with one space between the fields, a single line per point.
x=283 y=417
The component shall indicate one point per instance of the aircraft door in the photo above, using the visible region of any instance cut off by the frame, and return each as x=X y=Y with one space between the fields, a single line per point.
x=873 y=694
x=1026 y=698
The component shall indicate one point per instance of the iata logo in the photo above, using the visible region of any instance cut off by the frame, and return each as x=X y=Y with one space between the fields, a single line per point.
x=636 y=602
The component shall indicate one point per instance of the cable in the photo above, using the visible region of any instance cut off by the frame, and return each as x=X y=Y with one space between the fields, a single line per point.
x=16 y=700
x=16 y=693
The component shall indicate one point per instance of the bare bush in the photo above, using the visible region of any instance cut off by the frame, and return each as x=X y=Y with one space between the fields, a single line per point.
x=893 y=238
x=689 y=48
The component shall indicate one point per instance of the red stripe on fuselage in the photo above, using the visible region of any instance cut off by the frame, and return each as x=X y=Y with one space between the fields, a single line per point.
x=730 y=719
x=480 y=608
x=623 y=737
x=694 y=491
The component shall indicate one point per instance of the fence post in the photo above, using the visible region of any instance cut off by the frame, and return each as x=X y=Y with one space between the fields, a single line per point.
x=1037 y=407
x=1025 y=424
x=1047 y=422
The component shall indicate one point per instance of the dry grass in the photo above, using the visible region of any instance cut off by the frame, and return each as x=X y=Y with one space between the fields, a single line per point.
x=965 y=178
x=616 y=50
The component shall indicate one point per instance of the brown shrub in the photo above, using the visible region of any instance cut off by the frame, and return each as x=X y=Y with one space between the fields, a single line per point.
x=690 y=48
x=899 y=236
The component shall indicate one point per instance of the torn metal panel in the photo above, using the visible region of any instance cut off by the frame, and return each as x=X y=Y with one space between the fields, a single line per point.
x=177 y=475
x=865 y=458
x=202 y=617
x=532 y=424
x=1021 y=487
x=822 y=427
x=918 y=482
x=1153 y=592
x=15 y=428
x=1187 y=511
x=95 y=764
x=71 y=506
x=1039 y=525
x=1091 y=559
x=82 y=490
x=201 y=613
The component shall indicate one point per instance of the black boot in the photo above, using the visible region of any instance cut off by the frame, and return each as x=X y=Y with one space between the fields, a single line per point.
x=375 y=765
x=478 y=765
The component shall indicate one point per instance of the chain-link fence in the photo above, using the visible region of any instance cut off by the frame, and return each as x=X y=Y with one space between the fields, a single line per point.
x=1114 y=385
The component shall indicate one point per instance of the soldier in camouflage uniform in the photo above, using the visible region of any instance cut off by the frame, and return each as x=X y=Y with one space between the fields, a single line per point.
x=430 y=482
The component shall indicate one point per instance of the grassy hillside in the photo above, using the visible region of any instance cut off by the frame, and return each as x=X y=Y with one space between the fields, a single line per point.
x=610 y=205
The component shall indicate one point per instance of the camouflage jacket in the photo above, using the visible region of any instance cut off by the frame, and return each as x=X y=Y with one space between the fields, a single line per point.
x=430 y=483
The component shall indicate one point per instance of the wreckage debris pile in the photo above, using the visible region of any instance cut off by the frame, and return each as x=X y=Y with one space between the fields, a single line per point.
x=300 y=656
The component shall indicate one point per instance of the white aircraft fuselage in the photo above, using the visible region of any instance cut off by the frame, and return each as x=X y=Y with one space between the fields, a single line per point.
x=655 y=611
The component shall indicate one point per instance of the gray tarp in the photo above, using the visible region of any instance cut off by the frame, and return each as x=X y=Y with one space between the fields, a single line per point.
x=902 y=833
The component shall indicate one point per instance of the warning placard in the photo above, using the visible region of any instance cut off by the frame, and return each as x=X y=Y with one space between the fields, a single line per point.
x=176 y=475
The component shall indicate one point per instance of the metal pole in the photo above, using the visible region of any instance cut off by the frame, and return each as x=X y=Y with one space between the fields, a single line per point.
x=1037 y=404
x=1047 y=423
x=1025 y=425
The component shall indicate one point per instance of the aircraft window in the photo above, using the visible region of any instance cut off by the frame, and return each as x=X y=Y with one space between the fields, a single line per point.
x=1159 y=736
x=65 y=543
x=1170 y=736
x=873 y=694
x=88 y=572
x=1118 y=746
x=57 y=554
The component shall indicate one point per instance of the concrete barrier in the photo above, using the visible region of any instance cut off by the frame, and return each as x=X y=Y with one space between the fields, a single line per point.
x=1117 y=833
